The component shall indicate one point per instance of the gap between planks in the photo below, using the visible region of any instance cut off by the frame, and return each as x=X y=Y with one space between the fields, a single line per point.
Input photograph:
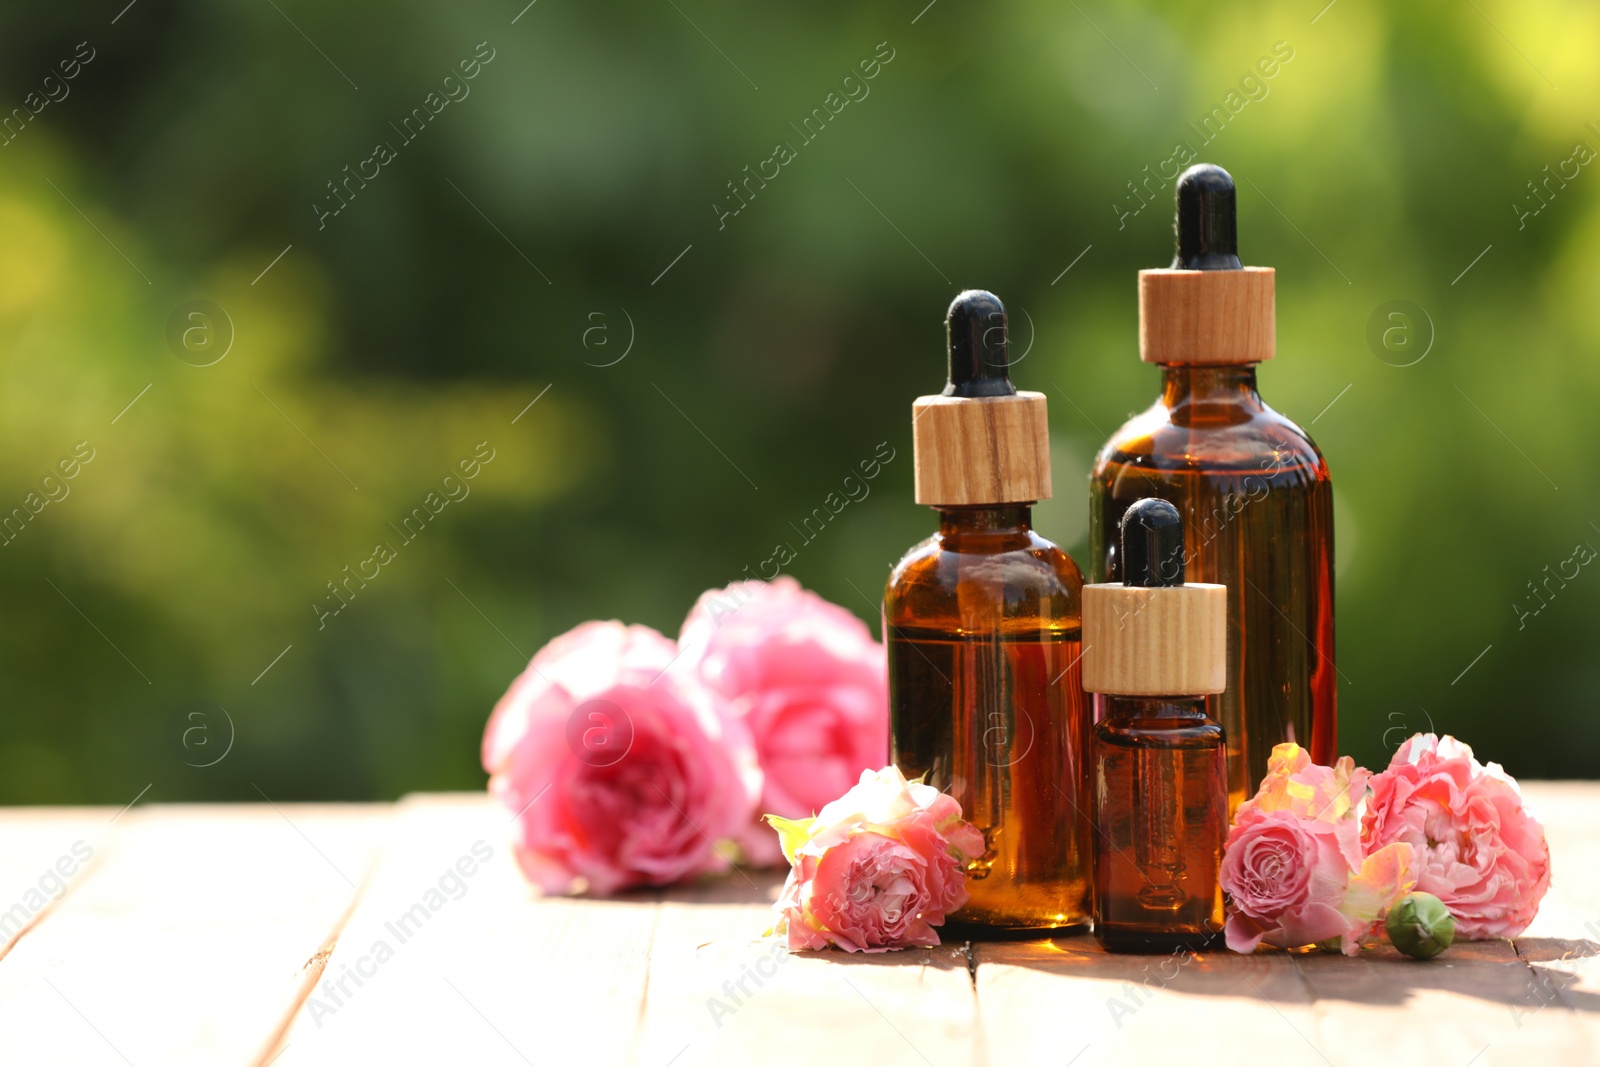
x=313 y=970
x=49 y=830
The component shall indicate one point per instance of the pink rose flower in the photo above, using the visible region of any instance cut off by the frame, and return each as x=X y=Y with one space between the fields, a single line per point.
x=1294 y=867
x=808 y=681
x=619 y=773
x=1478 y=849
x=877 y=869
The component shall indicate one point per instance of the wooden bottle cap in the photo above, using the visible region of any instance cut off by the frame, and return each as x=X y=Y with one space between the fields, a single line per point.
x=1207 y=308
x=981 y=450
x=1207 y=316
x=1140 y=641
x=980 y=441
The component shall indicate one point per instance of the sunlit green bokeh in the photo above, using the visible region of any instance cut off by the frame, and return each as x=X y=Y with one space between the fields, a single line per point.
x=519 y=243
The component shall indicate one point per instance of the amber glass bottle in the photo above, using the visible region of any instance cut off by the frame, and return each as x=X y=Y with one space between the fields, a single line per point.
x=1252 y=488
x=983 y=628
x=1153 y=646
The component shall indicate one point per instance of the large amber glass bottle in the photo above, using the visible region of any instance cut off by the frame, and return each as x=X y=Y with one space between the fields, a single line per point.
x=983 y=627
x=1251 y=486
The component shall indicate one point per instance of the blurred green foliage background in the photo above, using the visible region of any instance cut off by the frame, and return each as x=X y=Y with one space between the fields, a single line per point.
x=517 y=246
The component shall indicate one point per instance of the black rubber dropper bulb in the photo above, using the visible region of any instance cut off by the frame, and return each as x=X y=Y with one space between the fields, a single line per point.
x=1208 y=220
x=1152 y=545
x=975 y=329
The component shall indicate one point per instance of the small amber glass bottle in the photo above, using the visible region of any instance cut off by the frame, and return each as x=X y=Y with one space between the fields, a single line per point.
x=1252 y=488
x=983 y=627
x=1154 y=646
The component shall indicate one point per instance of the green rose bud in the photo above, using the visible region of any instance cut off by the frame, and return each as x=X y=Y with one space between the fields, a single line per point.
x=1421 y=926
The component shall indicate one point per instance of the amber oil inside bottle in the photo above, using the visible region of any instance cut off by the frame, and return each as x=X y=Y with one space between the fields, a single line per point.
x=1161 y=818
x=983 y=628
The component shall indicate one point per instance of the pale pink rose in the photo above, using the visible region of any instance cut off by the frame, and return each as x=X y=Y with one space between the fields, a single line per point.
x=1294 y=867
x=619 y=773
x=809 y=682
x=1478 y=849
x=877 y=869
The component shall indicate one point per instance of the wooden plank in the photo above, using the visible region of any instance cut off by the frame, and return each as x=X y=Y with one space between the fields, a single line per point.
x=720 y=993
x=184 y=943
x=1562 y=947
x=45 y=854
x=485 y=972
x=512 y=976
x=1069 y=1001
x=1563 y=978
x=1570 y=812
x=1470 y=1006
x=184 y=937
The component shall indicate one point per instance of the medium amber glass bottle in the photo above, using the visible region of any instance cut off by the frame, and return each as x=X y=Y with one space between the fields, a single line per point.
x=1252 y=488
x=983 y=627
x=1153 y=646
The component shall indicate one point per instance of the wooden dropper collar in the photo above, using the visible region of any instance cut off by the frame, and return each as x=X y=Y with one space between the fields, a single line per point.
x=980 y=442
x=1154 y=634
x=1207 y=308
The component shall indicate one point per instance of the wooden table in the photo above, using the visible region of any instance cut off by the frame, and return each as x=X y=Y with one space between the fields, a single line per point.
x=380 y=934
